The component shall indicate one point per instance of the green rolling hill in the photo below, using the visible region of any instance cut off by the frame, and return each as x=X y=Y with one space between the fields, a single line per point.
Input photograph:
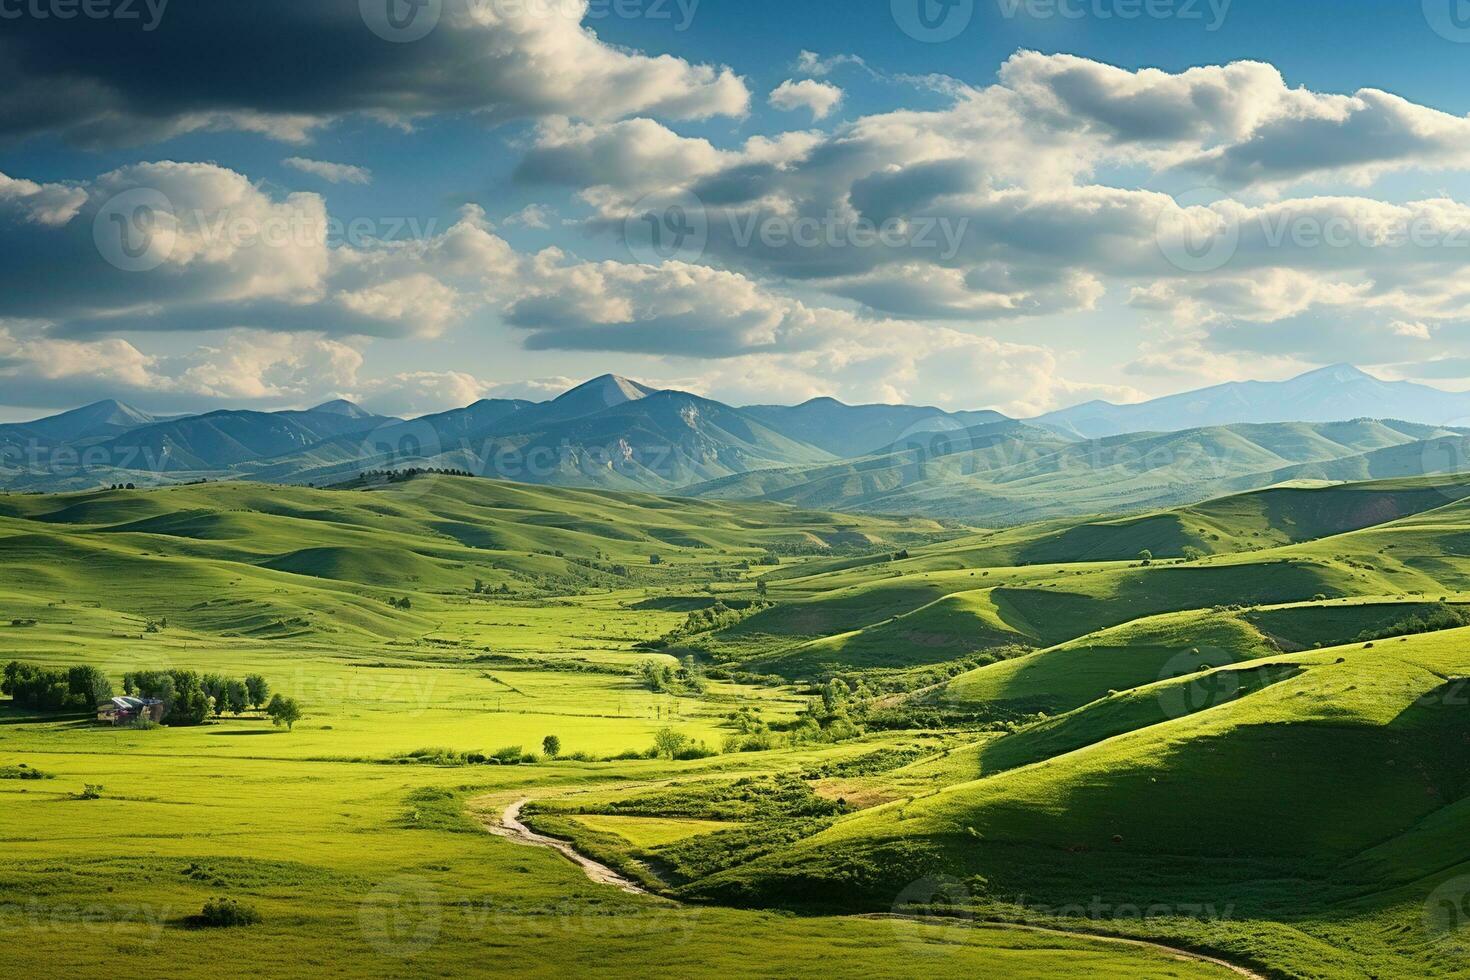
x=328 y=560
x=1251 y=743
x=1013 y=472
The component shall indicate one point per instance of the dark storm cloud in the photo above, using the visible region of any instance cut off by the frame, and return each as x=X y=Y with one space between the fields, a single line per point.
x=284 y=66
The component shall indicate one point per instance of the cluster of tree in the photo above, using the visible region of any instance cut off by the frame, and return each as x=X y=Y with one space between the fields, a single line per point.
x=1442 y=617
x=482 y=589
x=665 y=678
x=394 y=476
x=122 y=486
x=190 y=698
x=671 y=744
x=405 y=603
x=44 y=689
x=708 y=620
x=829 y=716
x=617 y=569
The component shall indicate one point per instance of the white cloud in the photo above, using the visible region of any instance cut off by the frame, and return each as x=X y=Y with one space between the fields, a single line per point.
x=820 y=98
x=537 y=216
x=43 y=204
x=332 y=173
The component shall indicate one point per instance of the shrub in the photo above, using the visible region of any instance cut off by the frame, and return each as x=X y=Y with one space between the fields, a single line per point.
x=23 y=771
x=695 y=750
x=226 y=913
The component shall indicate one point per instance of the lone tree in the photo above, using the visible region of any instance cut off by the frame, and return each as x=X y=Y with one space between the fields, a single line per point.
x=284 y=712
x=257 y=690
x=668 y=743
x=551 y=746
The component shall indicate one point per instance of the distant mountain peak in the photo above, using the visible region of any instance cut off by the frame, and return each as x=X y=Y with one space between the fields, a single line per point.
x=99 y=418
x=1336 y=393
x=1336 y=372
x=341 y=406
x=606 y=390
x=113 y=409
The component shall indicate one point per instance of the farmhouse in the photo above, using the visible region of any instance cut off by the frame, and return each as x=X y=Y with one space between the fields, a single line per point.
x=124 y=710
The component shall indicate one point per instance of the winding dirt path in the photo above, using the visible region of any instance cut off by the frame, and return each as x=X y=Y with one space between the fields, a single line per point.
x=511 y=828
x=1175 y=952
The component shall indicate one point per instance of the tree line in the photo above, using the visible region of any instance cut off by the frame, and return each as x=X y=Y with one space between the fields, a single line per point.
x=189 y=698
x=44 y=689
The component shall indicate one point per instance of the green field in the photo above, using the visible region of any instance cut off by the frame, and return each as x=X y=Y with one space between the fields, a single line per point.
x=900 y=747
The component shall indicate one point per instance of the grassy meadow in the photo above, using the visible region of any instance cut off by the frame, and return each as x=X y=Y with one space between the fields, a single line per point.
x=1229 y=738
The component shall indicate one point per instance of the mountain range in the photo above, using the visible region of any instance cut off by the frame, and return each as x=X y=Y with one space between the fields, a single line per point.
x=1330 y=394
x=1331 y=425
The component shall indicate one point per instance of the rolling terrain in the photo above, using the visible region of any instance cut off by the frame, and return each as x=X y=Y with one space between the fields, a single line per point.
x=1234 y=732
x=1015 y=473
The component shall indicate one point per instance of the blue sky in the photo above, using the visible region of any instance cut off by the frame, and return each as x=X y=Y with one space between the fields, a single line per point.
x=502 y=160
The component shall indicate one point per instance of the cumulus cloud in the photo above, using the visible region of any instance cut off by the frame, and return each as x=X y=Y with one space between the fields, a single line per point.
x=819 y=98
x=537 y=216
x=106 y=81
x=243 y=368
x=995 y=207
x=161 y=235
x=42 y=204
x=332 y=173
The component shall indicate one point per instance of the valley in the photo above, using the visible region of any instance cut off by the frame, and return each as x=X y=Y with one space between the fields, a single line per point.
x=1235 y=730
